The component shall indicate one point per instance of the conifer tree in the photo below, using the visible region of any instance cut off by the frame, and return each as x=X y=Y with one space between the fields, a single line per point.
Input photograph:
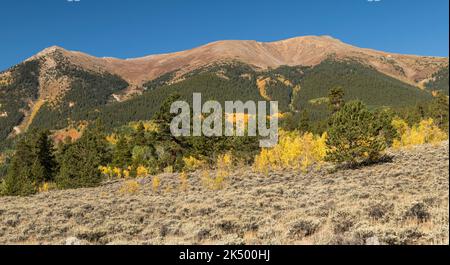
x=336 y=99
x=355 y=135
x=439 y=111
x=32 y=164
x=122 y=156
x=81 y=160
x=304 y=122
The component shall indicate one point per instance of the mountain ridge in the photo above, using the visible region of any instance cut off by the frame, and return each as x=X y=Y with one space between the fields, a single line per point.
x=304 y=51
x=59 y=84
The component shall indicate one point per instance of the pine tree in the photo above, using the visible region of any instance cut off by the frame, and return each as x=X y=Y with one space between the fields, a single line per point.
x=439 y=111
x=336 y=99
x=304 y=122
x=163 y=117
x=355 y=135
x=32 y=164
x=81 y=160
x=122 y=156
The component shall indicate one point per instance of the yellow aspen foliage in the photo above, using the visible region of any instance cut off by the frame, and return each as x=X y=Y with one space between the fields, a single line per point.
x=107 y=172
x=424 y=132
x=130 y=187
x=126 y=173
x=46 y=187
x=213 y=183
x=184 y=185
x=156 y=182
x=141 y=172
x=112 y=139
x=168 y=170
x=225 y=161
x=294 y=151
x=117 y=172
x=193 y=164
x=149 y=126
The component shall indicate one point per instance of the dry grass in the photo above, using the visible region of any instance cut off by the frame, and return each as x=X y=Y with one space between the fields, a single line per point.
x=402 y=202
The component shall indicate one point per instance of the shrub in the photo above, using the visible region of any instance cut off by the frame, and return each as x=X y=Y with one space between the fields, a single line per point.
x=356 y=135
x=142 y=171
x=130 y=187
x=184 y=184
x=418 y=211
x=294 y=151
x=156 y=182
x=424 y=132
x=213 y=182
x=193 y=164
x=46 y=187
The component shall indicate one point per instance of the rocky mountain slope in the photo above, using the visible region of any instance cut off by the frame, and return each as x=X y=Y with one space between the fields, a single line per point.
x=401 y=202
x=57 y=87
x=305 y=51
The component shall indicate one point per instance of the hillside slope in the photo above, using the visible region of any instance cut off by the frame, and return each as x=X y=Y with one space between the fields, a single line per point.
x=402 y=202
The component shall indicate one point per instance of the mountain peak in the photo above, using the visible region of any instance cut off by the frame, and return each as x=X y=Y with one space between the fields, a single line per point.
x=302 y=50
x=50 y=50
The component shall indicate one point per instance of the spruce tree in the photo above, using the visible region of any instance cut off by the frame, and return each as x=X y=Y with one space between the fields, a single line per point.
x=122 y=156
x=81 y=160
x=355 y=135
x=32 y=164
x=336 y=99
x=439 y=111
x=304 y=122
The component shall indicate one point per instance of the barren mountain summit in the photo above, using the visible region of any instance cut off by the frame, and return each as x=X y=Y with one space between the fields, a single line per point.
x=306 y=51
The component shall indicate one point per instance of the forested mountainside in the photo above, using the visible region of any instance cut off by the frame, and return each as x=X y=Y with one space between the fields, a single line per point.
x=58 y=88
x=295 y=88
x=439 y=81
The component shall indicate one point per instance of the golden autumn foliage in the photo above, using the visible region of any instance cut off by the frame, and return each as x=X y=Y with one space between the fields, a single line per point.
x=149 y=126
x=112 y=139
x=142 y=171
x=184 y=184
x=225 y=161
x=424 y=132
x=294 y=151
x=156 y=182
x=213 y=181
x=193 y=164
x=119 y=173
x=46 y=187
x=130 y=187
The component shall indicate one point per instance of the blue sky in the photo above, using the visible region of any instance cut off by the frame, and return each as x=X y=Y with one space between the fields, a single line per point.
x=134 y=28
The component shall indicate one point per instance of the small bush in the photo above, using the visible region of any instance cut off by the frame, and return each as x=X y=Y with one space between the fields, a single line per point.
x=193 y=164
x=156 y=182
x=184 y=184
x=130 y=187
x=46 y=187
x=304 y=228
x=418 y=211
